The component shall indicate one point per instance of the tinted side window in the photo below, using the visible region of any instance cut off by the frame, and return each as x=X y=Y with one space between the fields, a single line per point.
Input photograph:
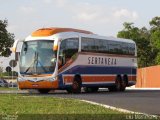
x=88 y=44
x=114 y=47
x=68 y=48
x=131 y=49
x=124 y=47
x=71 y=47
x=107 y=46
x=101 y=45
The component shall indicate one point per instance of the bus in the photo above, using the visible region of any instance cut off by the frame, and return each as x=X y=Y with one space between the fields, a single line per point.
x=72 y=59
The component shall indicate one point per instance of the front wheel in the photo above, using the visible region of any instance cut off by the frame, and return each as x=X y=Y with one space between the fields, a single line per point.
x=124 y=83
x=76 y=85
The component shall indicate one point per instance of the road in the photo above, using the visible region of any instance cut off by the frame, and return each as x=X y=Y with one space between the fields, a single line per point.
x=144 y=101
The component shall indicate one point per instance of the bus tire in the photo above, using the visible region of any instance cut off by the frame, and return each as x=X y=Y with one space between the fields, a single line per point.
x=76 y=84
x=124 y=83
x=118 y=83
x=44 y=91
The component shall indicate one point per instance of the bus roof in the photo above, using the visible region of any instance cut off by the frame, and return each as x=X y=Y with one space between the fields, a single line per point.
x=43 y=32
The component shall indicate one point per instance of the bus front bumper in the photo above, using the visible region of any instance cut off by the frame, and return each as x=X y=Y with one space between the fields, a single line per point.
x=38 y=84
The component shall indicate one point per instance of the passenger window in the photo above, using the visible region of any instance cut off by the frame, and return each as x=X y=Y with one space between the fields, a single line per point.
x=116 y=48
x=102 y=46
x=131 y=48
x=68 y=48
x=88 y=45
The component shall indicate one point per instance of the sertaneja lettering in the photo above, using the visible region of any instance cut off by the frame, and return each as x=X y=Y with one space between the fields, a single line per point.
x=89 y=60
x=102 y=61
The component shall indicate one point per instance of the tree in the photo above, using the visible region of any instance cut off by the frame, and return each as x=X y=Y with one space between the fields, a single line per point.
x=155 y=37
x=142 y=39
x=147 y=40
x=6 y=39
x=155 y=23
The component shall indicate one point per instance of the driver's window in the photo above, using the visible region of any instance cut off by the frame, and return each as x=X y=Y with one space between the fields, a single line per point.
x=68 y=48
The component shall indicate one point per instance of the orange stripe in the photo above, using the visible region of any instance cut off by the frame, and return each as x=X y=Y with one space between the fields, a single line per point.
x=132 y=78
x=98 y=78
x=51 y=31
x=69 y=79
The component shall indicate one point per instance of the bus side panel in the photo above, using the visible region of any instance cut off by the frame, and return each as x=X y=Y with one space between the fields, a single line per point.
x=98 y=70
x=96 y=76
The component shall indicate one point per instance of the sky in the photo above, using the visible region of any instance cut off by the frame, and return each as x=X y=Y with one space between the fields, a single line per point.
x=104 y=17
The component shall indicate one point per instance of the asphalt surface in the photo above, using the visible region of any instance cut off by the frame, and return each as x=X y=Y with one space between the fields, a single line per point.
x=144 y=101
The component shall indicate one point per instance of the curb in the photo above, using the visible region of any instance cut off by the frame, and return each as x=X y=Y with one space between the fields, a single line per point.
x=12 y=92
x=139 y=88
x=142 y=88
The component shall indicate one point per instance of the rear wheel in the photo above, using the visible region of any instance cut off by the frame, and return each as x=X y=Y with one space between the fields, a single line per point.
x=118 y=85
x=44 y=91
x=121 y=83
x=124 y=83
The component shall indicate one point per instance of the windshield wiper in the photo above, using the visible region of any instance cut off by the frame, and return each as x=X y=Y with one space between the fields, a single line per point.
x=44 y=69
x=35 y=62
x=31 y=63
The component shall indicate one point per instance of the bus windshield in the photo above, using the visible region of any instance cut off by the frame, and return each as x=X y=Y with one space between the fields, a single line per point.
x=37 y=57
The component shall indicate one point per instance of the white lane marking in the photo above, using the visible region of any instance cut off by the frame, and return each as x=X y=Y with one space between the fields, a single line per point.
x=120 y=109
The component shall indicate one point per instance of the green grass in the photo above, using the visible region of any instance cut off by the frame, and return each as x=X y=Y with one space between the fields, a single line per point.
x=24 y=104
x=38 y=107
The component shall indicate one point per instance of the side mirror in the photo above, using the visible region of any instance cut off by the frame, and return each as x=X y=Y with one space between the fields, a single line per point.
x=15 y=44
x=25 y=47
x=17 y=55
x=14 y=47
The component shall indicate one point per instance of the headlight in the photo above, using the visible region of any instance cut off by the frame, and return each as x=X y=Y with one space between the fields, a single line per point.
x=51 y=79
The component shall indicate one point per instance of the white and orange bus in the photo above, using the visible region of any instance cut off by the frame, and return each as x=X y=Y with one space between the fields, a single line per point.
x=69 y=59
